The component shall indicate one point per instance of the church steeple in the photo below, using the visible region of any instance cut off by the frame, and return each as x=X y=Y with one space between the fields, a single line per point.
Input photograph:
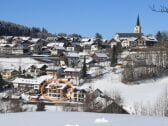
x=137 y=28
x=138 y=21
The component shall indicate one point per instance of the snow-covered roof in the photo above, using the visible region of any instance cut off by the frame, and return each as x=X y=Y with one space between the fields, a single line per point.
x=132 y=39
x=35 y=40
x=69 y=69
x=51 y=67
x=33 y=81
x=85 y=39
x=62 y=85
x=73 y=54
x=102 y=55
x=149 y=38
x=10 y=45
x=55 y=44
x=24 y=38
x=83 y=53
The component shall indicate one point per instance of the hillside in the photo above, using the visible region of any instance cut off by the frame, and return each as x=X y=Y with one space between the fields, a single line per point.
x=145 y=93
x=13 y=29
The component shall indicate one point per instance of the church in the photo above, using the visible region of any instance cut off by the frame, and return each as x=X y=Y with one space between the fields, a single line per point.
x=134 y=39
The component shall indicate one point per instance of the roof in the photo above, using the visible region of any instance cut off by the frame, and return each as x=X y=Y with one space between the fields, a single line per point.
x=125 y=35
x=73 y=54
x=101 y=55
x=33 y=81
x=55 y=44
x=149 y=38
x=62 y=85
x=132 y=39
x=69 y=69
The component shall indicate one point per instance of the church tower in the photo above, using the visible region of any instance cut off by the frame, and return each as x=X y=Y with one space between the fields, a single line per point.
x=137 y=28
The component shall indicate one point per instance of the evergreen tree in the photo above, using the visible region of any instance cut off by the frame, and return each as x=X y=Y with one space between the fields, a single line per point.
x=114 y=56
x=84 y=69
x=99 y=40
x=159 y=36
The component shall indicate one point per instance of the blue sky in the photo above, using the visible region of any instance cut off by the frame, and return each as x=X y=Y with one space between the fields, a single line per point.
x=85 y=17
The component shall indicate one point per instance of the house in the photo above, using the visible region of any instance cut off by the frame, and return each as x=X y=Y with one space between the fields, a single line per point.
x=74 y=74
x=53 y=71
x=29 y=85
x=86 y=44
x=146 y=41
x=36 y=70
x=55 y=89
x=6 y=48
x=127 y=39
x=114 y=108
x=73 y=59
x=37 y=45
x=56 y=48
x=18 y=49
x=79 y=95
x=8 y=74
x=100 y=57
x=45 y=51
x=59 y=90
x=98 y=93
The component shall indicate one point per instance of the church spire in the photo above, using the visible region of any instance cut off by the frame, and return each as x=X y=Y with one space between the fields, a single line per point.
x=138 y=21
x=137 y=28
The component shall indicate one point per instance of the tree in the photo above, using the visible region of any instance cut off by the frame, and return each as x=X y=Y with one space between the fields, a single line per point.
x=159 y=36
x=62 y=34
x=84 y=68
x=76 y=37
x=99 y=40
x=114 y=56
x=162 y=8
x=40 y=106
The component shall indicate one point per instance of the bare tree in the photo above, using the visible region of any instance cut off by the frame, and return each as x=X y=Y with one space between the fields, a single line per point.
x=162 y=8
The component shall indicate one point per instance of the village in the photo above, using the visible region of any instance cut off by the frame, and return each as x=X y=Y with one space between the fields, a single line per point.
x=63 y=66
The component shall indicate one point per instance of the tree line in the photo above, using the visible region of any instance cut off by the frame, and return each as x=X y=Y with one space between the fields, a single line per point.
x=12 y=29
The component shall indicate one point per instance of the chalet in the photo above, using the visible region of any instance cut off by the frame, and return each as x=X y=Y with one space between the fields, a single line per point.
x=6 y=48
x=29 y=85
x=74 y=74
x=73 y=59
x=37 y=45
x=55 y=90
x=45 y=51
x=8 y=74
x=56 y=48
x=18 y=49
x=79 y=95
x=53 y=71
x=100 y=57
x=36 y=70
x=146 y=41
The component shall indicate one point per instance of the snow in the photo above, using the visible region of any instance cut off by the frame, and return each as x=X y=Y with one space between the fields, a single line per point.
x=78 y=119
x=35 y=81
x=69 y=69
x=146 y=92
x=14 y=63
x=101 y=120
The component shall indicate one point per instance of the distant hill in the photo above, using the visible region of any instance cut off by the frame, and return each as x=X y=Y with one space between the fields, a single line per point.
x=12 y=29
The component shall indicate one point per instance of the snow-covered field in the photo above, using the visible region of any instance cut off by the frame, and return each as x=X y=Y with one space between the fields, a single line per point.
x=78 y=119
x=14 y=63
x=146 y=92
